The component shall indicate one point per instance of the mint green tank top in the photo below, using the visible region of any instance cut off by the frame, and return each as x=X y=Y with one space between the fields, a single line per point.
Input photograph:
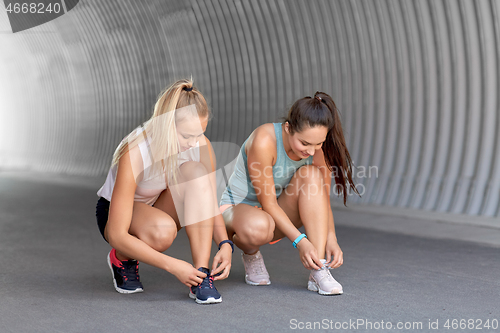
x=239 y=188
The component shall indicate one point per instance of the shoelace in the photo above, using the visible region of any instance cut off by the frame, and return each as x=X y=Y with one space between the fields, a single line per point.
x=325 y=274
x=130 y=270
x=259 y=268
x=208 y=282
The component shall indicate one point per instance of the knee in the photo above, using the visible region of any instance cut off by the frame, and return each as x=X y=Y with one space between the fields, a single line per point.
x=308 y=181
x=193 y=170
x=310 y=174
x=161 y=235
x=259 y=231
x=195 y=176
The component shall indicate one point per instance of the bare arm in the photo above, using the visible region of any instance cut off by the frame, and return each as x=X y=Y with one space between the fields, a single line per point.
x=260 y=159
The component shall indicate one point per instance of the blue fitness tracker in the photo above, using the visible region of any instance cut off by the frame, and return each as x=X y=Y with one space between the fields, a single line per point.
x=227 y=241
x=298 y=239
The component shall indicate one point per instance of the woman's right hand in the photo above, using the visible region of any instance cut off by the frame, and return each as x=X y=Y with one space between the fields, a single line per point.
x=187 y=274
x=308 y=254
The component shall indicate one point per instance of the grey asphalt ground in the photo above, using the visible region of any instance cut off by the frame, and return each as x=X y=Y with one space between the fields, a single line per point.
x=54 y=275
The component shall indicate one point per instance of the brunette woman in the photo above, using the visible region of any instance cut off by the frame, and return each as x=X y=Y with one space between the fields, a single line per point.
x=281 y=182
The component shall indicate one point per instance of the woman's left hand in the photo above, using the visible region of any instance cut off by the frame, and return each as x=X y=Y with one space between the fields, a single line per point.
x=222 y=262
x=333 y=250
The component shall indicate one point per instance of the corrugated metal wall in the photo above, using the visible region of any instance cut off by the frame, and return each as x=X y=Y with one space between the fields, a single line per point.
x=416 y=81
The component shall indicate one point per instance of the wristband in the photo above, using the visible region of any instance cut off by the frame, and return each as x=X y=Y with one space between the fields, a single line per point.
x=227 y=241
x=298 y=239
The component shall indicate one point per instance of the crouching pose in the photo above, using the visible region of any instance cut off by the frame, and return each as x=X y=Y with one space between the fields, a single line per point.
x=162 y=179
x=281 y=182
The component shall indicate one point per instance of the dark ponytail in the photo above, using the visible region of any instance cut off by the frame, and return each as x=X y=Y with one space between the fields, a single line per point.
x=337 y=155
x=322 y=111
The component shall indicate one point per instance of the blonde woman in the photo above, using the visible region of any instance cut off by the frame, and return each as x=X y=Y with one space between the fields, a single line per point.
x=161 y=179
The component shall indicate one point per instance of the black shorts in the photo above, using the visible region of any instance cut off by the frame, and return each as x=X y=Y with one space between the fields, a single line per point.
x=101 y=213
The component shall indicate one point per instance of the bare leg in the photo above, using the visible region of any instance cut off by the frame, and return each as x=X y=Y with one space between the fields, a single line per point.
x=305 y=201
x=153 y=226
x=193 y=197
x=248 y=227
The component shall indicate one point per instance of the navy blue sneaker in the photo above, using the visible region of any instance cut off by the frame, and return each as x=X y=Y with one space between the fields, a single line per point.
x=205 y=292
x=125 y=274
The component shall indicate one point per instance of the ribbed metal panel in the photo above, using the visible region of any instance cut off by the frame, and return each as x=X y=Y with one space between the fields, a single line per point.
x=416 y=81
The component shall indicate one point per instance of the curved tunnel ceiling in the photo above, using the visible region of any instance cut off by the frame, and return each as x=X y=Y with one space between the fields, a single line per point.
x=417 y=83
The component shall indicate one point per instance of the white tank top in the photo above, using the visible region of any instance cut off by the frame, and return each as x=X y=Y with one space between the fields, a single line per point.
x=150 y=187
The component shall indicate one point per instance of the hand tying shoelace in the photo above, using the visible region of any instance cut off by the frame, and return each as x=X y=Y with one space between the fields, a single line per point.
x=205 y=292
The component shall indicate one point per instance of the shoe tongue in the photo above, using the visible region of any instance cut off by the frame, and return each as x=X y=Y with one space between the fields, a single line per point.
x=204 y=270
x=323 y=263
x=129 y=263
x=207 y=280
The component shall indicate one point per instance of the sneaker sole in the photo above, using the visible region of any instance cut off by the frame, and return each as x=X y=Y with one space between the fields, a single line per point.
x=312 y=286
x=261 y=283
x=210 y=300
x=118 y=289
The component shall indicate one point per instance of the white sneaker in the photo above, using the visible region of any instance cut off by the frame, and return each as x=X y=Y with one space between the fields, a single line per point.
x=255 y=270
x=322 y=281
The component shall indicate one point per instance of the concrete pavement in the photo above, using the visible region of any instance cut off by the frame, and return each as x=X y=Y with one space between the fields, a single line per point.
x=55 y=277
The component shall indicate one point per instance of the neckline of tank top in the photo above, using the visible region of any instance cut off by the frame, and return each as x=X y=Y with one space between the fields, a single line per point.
x=283 y=146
